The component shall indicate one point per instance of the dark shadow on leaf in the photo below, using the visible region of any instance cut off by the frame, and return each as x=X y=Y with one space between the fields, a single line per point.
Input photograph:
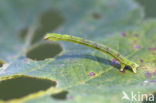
x=94 y=58
x=128 y=68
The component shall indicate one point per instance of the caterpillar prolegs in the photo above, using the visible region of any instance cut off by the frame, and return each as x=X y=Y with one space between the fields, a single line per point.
x=123 y=61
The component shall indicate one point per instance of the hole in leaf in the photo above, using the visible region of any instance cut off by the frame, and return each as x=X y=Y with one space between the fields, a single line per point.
x=60 y=96
x=22 y=33
x=20 y=86
x=1 y=63
x=44 y=51
x=49 y=21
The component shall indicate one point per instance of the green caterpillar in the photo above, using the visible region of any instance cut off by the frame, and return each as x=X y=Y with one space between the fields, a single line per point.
x=123 y=61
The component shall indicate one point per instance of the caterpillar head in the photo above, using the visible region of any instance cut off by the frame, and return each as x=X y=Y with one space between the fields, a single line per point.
x=52 y=37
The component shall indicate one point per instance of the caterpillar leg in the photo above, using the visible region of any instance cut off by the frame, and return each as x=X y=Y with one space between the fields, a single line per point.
x=134 y=67
x=122 y=67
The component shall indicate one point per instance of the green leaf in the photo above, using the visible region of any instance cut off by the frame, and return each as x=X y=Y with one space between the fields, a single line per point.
x=81 y=74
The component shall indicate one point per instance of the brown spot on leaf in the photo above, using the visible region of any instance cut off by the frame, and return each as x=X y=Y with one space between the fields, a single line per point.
x=96 y=15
